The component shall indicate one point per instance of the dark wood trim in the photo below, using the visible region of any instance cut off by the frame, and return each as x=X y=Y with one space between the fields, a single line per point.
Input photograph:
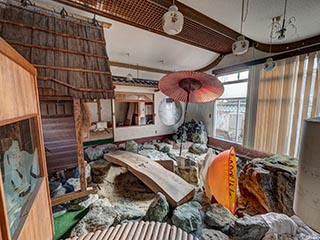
x=74 y=88
x=241 y=151
x=285 y=55
x=18 y=119
x=50 y=32
x=211 y=65
x=57 y=50
x=277 y=48
x=72 y=69
x=140 y=68
x=79 y=141
x=71 y=196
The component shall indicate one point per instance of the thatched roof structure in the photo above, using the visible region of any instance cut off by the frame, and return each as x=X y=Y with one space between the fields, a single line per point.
x=69 y=54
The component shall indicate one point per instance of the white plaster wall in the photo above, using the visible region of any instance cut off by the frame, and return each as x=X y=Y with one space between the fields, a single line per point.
x=106 y=113
x=135 y=132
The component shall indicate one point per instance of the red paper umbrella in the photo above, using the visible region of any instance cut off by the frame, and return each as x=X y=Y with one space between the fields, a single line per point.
x=189 y=86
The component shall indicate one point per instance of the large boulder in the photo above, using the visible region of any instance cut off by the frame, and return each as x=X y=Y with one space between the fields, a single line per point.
x=98 y=218
x=210 y=234
x=267 y=185
x=132 y=146
x=84 y=202
x=158 y=209
x=303 y=231
x=125 y=212
x=280 y=226
x=217 y=216
x=195 y=131
x=187 y=216
x=249 y=228
x=198 y=148
x=92 y=154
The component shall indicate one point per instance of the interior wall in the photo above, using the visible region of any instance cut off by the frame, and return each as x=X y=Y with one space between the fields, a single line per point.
x=135 y=132
x=106 y=113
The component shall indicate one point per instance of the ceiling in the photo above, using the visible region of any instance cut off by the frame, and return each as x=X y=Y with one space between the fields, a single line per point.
x=136 y=28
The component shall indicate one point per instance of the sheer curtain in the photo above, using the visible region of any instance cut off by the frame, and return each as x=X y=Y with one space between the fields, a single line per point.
x=286 y=96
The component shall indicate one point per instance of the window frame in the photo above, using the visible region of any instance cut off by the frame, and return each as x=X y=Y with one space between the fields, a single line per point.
x=238 y=106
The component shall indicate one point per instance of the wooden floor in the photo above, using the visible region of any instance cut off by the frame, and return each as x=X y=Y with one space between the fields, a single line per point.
x=139 y=231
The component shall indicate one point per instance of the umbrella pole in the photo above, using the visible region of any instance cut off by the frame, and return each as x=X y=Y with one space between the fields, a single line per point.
x=184 y=121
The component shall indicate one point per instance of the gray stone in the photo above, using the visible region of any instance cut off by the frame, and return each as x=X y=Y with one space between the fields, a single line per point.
x=273 y=180
x=100 y=167
x=59 y=191
x=148 y=146
x=85 y=203
x=132 y=146
x=163 y=147
x=249 y=228
x=210 y=234
x=154 y=154
x=158 y=209
x=195 y=131
x=303 y=231
x=108 y=147
x=98 y=218
x=58 y=211
x=93 y=153
x=217 y=216
x=101 y=202
x=125 y=212
x=198 y=148
x=279 y=225
x=75 y=183
x=187 y=216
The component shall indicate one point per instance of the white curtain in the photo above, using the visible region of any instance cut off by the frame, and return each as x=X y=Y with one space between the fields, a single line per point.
x=285 y=97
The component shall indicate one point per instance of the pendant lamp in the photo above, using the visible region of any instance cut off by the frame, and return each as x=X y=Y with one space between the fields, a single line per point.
x=241 y=46
x=172 y=20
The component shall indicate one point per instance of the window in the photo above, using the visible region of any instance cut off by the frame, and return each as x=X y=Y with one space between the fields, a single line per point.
x=134 y=109
x=230 y=108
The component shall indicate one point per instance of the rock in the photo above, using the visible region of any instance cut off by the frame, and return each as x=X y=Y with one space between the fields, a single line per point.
x=98 y=179
x=217 y=216
x=172 y=156
x=58 y=210
x=268 y=184
x=154 y=154
x=149 y=146
x=101 y=202
x=98 y=218
x=85 y=203
x=163 y=147
x=249 y=228
x=54 y=185
x=158 y=209
x=93 y=153
x=195 y=131
x=189 y=174
x=122 y=146
x=187 y=216
x=100 y=167
x=303 y=231
x=198 y=148
x=210 y=234
x=279 y=225
x=75 y=183
x=132 y=146
x=108 y=147
x=125 y=212
x=59 y=192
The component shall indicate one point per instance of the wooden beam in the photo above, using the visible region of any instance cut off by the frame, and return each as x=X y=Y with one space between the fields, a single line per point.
x=199 y=18
x=211 y=65
x=244 y=65
x=156 y=177
x=79 y=141
x=71 y=196
x=141 y=68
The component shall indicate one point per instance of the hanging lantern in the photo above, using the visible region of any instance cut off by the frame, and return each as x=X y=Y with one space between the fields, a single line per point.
x=240 y=46
x=269 y=65
x=172 y=21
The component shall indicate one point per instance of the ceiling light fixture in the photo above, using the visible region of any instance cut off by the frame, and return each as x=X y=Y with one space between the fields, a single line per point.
x=129 y=75
x=241 y=46
x=172 y=20
x=269 y=65
x=280 y=30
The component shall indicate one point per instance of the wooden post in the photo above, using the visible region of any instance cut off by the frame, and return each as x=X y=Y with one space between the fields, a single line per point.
x=81 y=163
